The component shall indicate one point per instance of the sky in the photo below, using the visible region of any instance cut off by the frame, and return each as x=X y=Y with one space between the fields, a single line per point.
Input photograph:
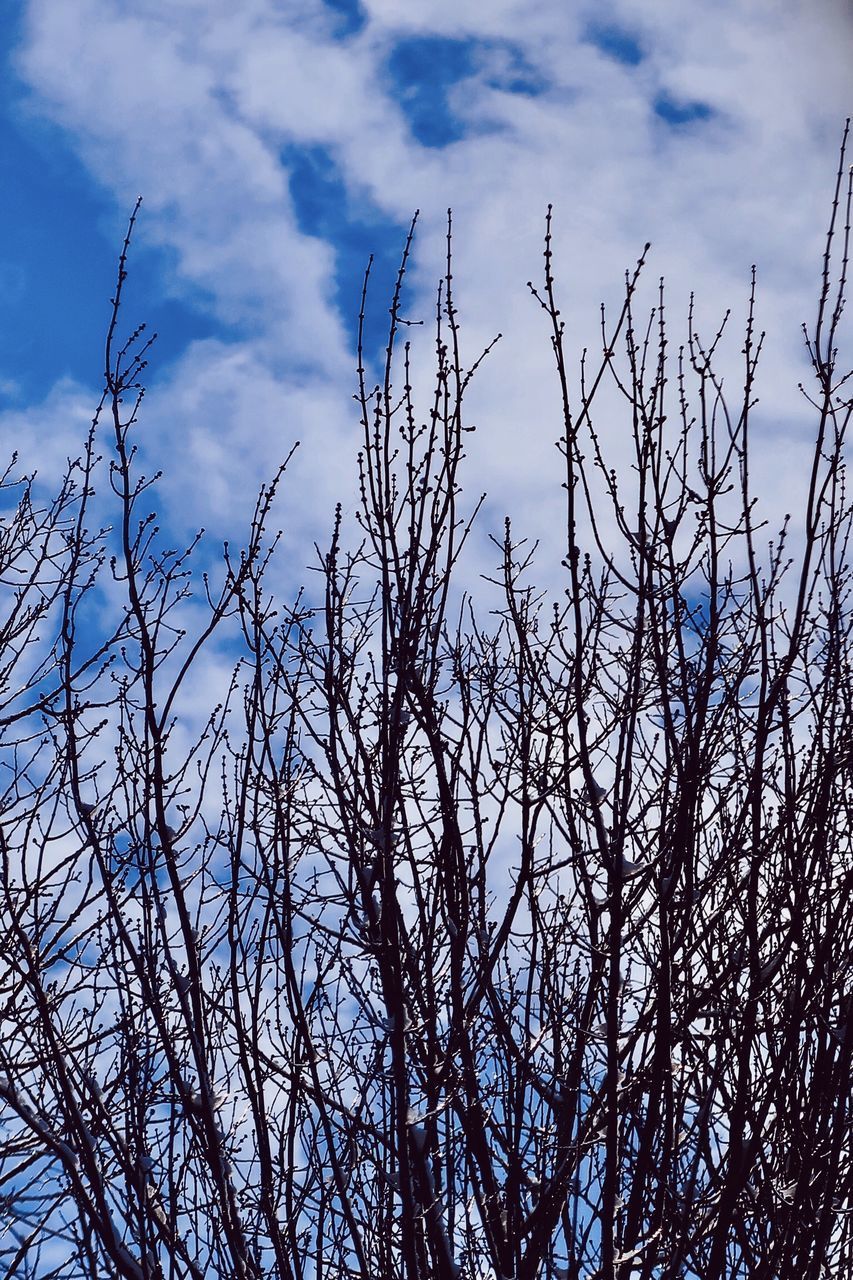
x=278 y=143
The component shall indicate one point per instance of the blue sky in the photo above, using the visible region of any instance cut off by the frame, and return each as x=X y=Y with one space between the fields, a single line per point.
x=277 y=145
x=58 y=237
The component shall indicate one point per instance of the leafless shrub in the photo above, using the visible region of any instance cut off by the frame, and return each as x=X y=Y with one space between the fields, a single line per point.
x=441 y=949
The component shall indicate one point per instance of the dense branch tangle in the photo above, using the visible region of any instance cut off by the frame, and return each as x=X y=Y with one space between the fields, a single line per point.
x=440 y=948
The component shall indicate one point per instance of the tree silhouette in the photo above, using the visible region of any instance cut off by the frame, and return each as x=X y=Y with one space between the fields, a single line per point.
x=438 y=949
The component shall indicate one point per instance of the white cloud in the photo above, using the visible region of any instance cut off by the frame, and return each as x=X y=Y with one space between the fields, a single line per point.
x=223 y=422
x=47 y=435
x=193 y=104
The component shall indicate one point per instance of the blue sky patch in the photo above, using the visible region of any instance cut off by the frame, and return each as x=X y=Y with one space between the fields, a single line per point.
x=350 y=15
x=423 y=69
x=325 y=208
x=676 y=113
x=616 y=43
x=505 y=67
x=60 y=237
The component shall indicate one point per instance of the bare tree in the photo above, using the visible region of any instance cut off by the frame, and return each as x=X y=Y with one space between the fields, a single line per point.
x=441 y=948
